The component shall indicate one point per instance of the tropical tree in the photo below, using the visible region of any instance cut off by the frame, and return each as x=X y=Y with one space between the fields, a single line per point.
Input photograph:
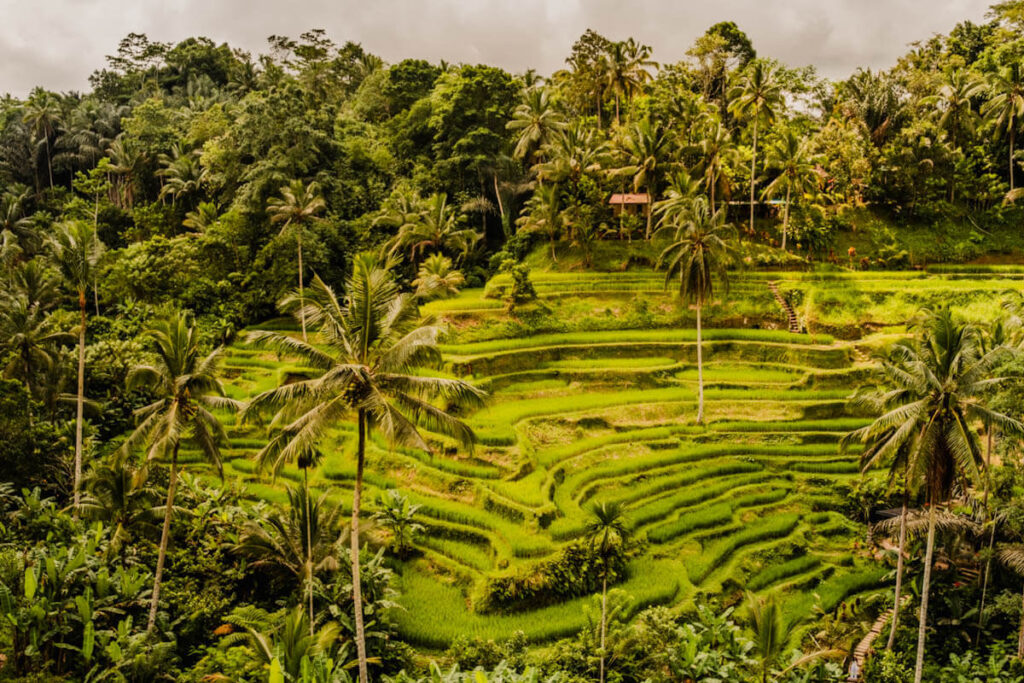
x=772 y=634
x=396 y=514
x=937 y=385
x=44 y=116
x=187 y=391
x=755 y=97
x=28 y=338
x=121 y=497
x=296 y=207
x=437 y=226
x=183 y=176
x=697 y=256
x=543 y=213
x=282 y=643
x=303 y=544
x=76 y=251
x=716 y=153
x=534 y=122
x=954 y=103
x=572 y=152
x=437 y=278
x=606 y=532
x=373 y=346
x=1012 y=556
x=651 y=156
x=1005 y=107
x=625 y=70
x=792 y=157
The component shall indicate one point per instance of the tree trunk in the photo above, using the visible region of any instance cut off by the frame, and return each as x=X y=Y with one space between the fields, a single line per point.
x=785 y=218
x=650 y=212
x=302 y=301
x=357 y=592
x=899 y=571
x=49 y=164
x=700 y=369
x=992 y=538
x=1020 y=638
x=713 y=182
x=80 y=400
x=925 y=586
x=617 y=123
x=1013 y=134
x=599 y=109
x=753 y=171
x=309 y=548
x=165 y=536
x=604 y=616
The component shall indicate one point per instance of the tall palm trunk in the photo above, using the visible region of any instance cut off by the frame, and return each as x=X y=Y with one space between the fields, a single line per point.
x=753 y=172
x=925 y=586
x=1013 y=134
x=617 y=123
x=650 y=214
x=599 y=108
x=302 y=302
x=165 y=536
x=785 y=218
x=80 y=399
x=992 y=536
x=604 y=616
x=1020 y=637
x=49 y=164
x=357 y=589
x=700 y=368
x=309 y=548
x=899 y=571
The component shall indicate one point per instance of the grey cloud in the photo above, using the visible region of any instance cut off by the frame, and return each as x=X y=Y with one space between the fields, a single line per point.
x=59 y=43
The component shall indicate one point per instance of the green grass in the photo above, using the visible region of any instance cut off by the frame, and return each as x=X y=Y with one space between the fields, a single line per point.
x=715 y=552
x=775 y=573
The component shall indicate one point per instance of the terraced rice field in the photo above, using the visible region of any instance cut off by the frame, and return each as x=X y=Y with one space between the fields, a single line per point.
x=748 y=502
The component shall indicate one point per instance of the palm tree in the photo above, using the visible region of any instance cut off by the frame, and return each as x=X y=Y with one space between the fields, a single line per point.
x=1012 y=556
x=953 y=102
x=297 y=206
x=281 y=641
x=543 y=213
x=650 y=152
x=119 y=495
x=535 y=121
x=182 y=173
x=755 y=97
x=625 y=70
x=937 y=385
x=1005 y=107
x=437 y=226
x=43 y=115
x=773 y=633
x=572 y=152
x=698 y=254
x=792 y=157
x=76 y=251
x=373 y=346
x=607 y=531
x=396 y=514
x=187 y=391
x=302 y=544
x=437 y=278
x=29 y=336
x=716 y=152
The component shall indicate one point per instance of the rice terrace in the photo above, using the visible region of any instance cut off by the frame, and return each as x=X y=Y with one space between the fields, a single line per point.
x=402 y=359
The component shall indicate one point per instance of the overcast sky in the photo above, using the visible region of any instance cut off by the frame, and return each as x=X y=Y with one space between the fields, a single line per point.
x=58 y=43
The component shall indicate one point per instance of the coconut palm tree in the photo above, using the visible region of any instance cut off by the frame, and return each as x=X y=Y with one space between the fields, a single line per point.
x=1005 y=107
x=716 y=152
x=437 y=226
x=120 y=496
x=606 y=532
x=1012 y=556
x=755 y=97
x=535 y=122
x=371 y=350
x=303 y=544
x=437 y=278
x=773 y=633
x=625 y=70
x=182 y=175
x=573 y=152
x=651 y=156
x=792 y=157
x=43 y=115
x=188 y=391
x=76 y=252
x=543 y=213
x=29 y=336
x=954 y=103
x=698 y=256
x=298 y=205
x=936 y=388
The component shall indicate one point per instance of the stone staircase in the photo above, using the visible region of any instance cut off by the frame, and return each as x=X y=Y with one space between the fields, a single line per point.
x=794 y=322
x=860 y=653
